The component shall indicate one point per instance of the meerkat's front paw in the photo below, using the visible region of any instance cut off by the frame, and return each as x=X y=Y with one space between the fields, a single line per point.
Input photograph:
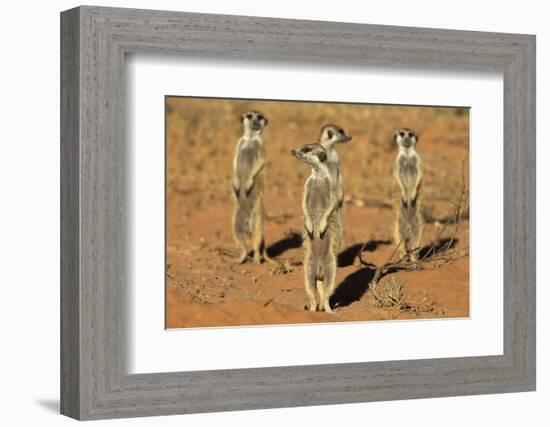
x=309 y=227
x=249 y=186
x=322 y=228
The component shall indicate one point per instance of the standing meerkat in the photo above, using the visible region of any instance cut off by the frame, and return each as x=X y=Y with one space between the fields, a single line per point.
x=329 y=136
x=408 y=173
x=319 y=205
x=248 y=186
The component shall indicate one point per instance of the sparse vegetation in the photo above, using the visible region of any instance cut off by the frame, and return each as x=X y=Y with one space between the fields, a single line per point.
x=389 y=293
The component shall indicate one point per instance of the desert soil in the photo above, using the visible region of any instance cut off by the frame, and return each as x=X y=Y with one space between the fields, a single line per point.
x=204 y=286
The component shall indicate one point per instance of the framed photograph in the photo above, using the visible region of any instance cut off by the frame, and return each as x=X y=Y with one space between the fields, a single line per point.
x=261 y=213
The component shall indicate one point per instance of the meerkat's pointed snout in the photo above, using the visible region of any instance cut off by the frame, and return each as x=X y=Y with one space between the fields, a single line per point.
x=298 y=153
x=346 y=138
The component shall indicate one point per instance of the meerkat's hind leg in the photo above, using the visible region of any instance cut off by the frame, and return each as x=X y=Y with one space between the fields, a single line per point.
x=416 y=238
x=243 y=256
x=412 y=249
x=239 y=235
x=256 y=227
x=419 y=235
x=261 y=246
x=320 y=293
x=266 y=256
x=339 y=231
x=309 y=284
x=409 y=250
x=329 y=283
x=398 y=236
x=260 y=249
x=257 y=236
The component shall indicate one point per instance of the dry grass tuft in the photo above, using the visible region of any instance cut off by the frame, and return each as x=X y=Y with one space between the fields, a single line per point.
x=389 y=294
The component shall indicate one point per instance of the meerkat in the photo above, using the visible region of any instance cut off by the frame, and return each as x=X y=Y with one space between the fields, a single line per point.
x=329 y=136
x=248 y=186
x=319 y=205
x=408 y=174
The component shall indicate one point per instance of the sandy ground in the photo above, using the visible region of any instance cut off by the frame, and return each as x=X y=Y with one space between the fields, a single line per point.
x=204 y=286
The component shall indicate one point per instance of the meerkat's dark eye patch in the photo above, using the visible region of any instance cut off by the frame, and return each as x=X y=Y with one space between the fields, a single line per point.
x=249 y=116
x=329 y=133
x=401 y=134
x=322 y=156
x=306 y=149
x=260 y=117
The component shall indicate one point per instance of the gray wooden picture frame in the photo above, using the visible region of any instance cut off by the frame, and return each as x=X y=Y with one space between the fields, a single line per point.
x=94 y=41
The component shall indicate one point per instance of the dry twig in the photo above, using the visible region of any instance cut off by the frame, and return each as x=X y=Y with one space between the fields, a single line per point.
x=279 y=219
x=440 y=252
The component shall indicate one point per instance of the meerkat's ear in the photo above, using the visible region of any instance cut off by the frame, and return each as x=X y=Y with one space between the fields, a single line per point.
x=322 y=156
x=242 y=119
x=266 y=121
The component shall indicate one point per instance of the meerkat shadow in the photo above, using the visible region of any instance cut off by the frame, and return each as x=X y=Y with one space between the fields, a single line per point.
x=290 y=241
x=352 y=288
x=433 y=248
x=348 y=255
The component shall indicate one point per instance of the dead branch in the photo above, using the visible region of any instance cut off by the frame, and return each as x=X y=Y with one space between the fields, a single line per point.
x=446 y=219
x=428 y=217
x=439 y=253
x=433 y=250
x=279 y=219
x=225 y=252
x=370 y=203
x=295 y=261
